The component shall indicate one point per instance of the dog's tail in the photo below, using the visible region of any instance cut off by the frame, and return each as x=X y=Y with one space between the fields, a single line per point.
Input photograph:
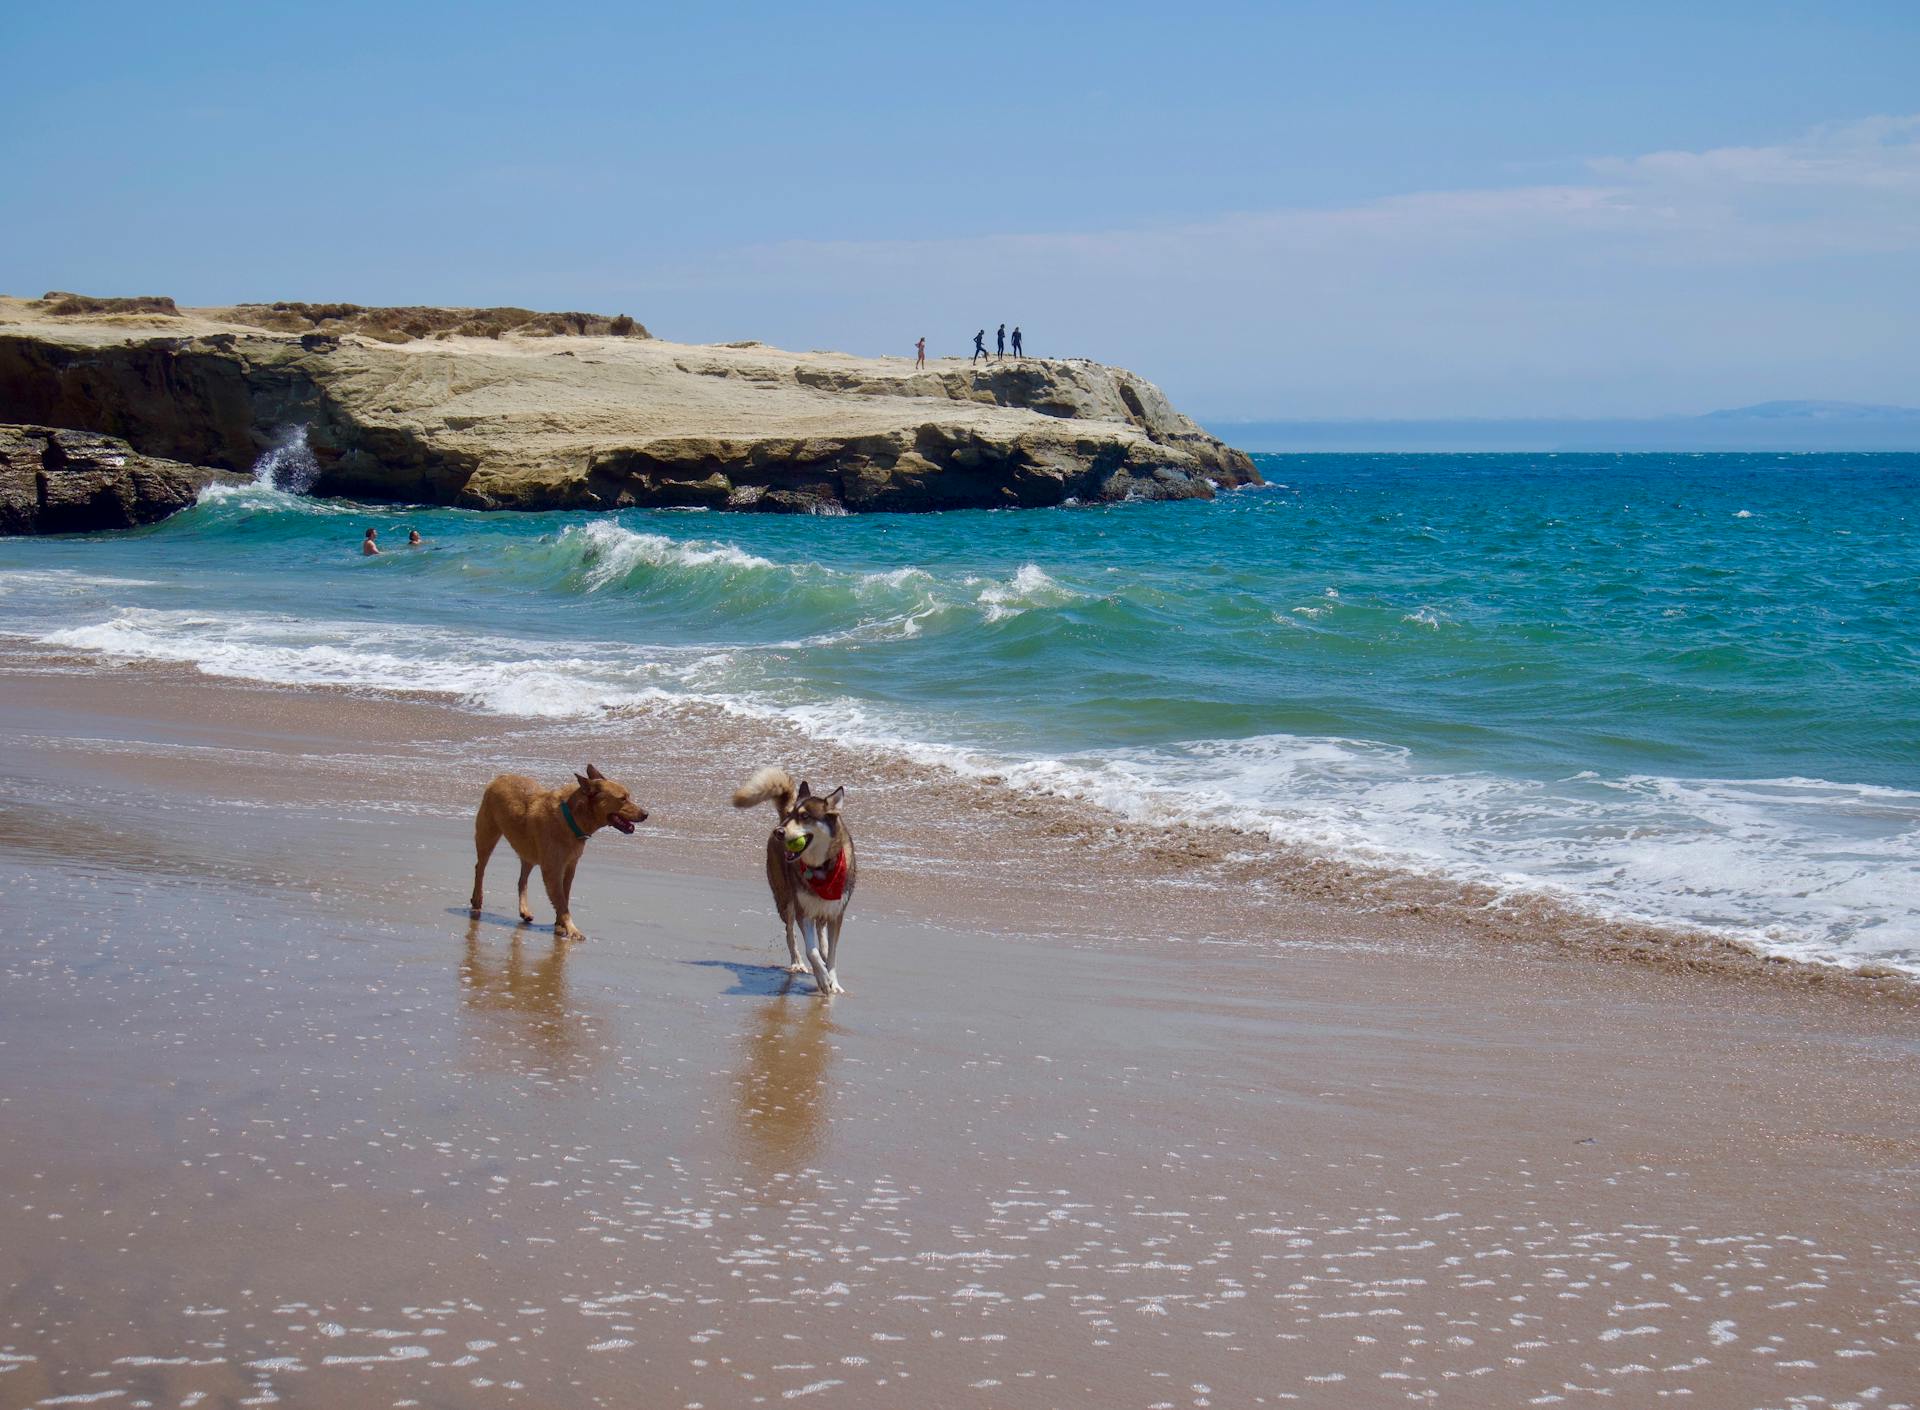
x=767 y=785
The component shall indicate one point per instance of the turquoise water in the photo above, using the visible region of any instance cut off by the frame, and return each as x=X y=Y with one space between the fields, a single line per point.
x=1681 y=688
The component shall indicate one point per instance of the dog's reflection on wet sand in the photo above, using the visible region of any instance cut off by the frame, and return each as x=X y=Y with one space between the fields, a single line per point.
x=780 y=1092
x=517 y=996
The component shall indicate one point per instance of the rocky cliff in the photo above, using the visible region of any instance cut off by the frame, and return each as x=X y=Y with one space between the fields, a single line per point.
x=524 y=418
x=61 y=482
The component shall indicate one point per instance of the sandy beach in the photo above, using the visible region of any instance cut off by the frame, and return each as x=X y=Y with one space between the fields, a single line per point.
x=1331 y=587
x=285 y=1125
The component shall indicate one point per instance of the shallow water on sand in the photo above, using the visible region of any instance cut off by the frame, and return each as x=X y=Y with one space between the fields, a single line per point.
x=1669 y=688
x=285 y=1128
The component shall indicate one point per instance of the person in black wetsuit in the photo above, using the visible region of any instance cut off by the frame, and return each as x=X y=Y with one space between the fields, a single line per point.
x=1017 y=350
x=979 y=346
x=1003 y=342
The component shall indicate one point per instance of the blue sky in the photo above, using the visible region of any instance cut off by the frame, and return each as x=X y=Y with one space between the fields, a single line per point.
x=1277 y=210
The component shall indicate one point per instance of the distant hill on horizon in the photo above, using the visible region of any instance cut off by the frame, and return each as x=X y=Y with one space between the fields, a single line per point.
x=1816 y=411
x=1784 y=426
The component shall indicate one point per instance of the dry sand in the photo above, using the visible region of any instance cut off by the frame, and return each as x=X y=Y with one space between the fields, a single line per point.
x=281 y=1121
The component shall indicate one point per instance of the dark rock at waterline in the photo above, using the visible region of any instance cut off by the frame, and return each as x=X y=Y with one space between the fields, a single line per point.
x=70 y=482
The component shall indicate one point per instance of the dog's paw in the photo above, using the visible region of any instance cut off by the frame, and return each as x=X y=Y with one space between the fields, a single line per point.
x=799 y=967
x=526 y=917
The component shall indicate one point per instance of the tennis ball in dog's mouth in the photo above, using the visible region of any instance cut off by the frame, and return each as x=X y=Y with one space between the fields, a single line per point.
x=798 y=844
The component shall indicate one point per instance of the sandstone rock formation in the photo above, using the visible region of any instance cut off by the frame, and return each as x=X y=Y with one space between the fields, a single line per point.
x=543 y=421
x=63 y=482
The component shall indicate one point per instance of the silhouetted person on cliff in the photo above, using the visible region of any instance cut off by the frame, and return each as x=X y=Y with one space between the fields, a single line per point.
x=979 y=346
x=919 y=354
x=1003 y=342
x=1017 y=350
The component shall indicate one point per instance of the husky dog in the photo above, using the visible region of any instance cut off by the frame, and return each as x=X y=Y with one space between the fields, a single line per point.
x=810 y=868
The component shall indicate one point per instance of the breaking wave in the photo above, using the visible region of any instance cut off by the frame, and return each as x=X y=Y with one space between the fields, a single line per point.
x=288 y=463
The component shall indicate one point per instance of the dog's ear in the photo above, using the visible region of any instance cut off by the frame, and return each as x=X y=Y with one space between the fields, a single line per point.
x=592 y=772
x=582 y=779
x=836 y=798
x=806 y=791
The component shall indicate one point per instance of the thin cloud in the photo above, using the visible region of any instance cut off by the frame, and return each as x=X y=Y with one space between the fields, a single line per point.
x=1871 y=155
x=1841 y=188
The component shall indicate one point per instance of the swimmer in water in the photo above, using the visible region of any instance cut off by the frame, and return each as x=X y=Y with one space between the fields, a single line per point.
x=368 y=548
x=413 y=538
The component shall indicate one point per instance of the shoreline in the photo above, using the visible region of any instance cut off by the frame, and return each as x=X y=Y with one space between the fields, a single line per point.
x=1224 y=879
x=288 y=1123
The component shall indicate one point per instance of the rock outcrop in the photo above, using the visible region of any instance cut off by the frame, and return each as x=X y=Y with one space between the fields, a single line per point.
x=543 y=420
x=65 y=482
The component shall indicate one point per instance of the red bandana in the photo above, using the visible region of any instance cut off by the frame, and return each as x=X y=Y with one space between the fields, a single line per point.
x=828 y=882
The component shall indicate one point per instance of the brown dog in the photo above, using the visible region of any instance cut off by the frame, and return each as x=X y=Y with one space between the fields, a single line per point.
x=548 y=828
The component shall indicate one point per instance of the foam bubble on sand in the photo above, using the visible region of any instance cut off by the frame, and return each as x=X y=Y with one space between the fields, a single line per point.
x=398 y=1353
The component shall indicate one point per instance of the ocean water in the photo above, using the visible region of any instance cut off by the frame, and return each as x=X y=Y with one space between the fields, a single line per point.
x=1677 y=688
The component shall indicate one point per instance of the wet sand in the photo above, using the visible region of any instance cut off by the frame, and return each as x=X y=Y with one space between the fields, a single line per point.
x=283 y=1125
